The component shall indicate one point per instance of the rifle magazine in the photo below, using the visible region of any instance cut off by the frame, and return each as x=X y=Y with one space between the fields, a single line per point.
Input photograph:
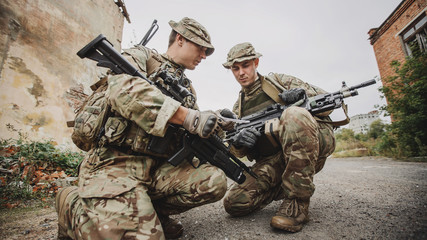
x=272 y=131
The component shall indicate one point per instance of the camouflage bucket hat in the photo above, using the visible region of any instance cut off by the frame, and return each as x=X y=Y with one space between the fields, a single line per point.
x=193 y=31
x=239 y=53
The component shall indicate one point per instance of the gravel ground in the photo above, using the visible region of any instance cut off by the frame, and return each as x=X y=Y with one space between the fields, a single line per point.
x=355 y=198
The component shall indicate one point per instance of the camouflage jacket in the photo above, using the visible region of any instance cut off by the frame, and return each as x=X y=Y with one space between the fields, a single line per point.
x=141 y=110
x=255 y=98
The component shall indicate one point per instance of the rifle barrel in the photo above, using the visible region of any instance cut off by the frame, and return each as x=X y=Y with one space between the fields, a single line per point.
x=364 y=84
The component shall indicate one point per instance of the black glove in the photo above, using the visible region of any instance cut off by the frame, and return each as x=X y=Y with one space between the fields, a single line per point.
x=292 y=96
x=246 y=138
x=224 y=124
x=227 y=113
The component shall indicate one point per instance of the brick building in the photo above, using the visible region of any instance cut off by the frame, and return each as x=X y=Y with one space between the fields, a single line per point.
x=406 y=27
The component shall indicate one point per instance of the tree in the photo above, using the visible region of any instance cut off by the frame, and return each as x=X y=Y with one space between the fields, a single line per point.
x=407 y=104
x=376 y=129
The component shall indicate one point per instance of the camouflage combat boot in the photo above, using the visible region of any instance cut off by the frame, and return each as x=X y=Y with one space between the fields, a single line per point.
x=292 y=215
x=172 y=228
x=64 y=200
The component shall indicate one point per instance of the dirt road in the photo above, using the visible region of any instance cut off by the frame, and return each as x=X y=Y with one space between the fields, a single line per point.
x=355 y=198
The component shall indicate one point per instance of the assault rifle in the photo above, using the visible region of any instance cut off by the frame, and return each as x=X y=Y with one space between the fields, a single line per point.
x=317 y=104
x=210 y=149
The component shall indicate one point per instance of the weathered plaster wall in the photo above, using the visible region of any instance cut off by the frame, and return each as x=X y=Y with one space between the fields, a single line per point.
x=41 y=78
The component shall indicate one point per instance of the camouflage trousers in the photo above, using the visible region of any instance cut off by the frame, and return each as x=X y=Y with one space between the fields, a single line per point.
x=305 y=145
x=120 y=197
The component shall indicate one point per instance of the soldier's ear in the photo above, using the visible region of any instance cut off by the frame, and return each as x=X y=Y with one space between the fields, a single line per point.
x=179 y=39
x=256 y=61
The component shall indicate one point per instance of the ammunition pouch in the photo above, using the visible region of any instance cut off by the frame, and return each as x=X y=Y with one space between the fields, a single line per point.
x=271 y=131
x=128 y=137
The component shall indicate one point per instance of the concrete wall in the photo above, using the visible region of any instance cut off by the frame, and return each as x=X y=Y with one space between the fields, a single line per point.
x=360 y=123
x=42 y=80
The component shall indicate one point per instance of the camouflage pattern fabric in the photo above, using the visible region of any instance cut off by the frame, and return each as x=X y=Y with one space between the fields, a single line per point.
x=239 y=53
x=305 y=145
x=119 y=197
x=193 y=31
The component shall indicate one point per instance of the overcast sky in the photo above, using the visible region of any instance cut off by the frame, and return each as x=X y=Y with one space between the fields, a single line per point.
x=322 y=42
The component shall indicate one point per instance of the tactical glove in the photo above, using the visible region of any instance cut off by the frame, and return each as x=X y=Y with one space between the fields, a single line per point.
x=246 y=138
x=201 y=123
x=292 y=96
x=223 y=123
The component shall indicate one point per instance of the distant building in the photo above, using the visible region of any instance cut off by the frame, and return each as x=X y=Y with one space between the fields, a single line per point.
x=403 y=30
x=360 y=123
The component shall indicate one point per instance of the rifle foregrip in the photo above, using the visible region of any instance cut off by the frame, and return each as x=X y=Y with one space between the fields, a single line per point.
x=232 y=170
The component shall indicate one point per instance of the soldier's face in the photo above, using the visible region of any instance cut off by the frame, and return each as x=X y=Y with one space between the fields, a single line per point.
x=191 y=54
x=245 y=72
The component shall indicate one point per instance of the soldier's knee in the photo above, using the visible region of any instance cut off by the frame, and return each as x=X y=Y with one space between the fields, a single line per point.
x=297 y=119
x=64 y=199
x=237 y=210
x=218 y=192
x=216 y=186
x=64 y=203
x=236 y=206
x=221 y=188
x=228 y=206
x=294 y=113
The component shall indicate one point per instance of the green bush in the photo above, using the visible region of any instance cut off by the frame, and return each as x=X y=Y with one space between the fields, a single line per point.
x=407 y=101
x=406 y=136
x=16 y=154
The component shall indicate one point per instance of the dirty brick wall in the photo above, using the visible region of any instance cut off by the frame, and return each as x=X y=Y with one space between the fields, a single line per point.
x=385 y=39
x=41 y=78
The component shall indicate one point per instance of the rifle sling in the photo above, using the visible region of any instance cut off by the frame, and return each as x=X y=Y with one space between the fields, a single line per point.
x=337 y=123
x=271 y=90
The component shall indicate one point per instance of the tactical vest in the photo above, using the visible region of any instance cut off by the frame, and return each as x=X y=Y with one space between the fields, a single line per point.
x=265 y=146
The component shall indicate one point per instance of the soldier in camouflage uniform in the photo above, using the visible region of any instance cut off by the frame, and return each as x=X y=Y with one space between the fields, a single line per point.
x=289 y=155
x=126 y=190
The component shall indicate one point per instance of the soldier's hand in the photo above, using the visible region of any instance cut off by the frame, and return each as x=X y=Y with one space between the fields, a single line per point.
x=203 y=123
x=246 y=138
x=292 y=96
x=225 y=124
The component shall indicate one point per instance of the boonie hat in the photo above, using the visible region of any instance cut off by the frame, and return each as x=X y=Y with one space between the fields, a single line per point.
x=193 y=31
x=239 y=53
